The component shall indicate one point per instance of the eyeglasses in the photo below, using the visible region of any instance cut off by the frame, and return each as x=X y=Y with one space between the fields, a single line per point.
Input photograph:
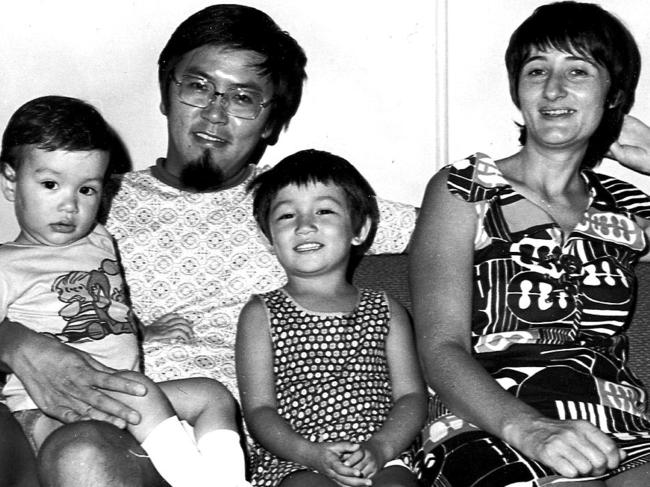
x=236 y=101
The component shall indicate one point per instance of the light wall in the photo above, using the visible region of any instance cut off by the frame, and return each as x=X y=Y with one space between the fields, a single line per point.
x=367 y=98
x=481 y=114
x=377 y=76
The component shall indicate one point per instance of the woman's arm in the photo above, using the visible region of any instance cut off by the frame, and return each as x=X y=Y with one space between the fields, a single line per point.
x=632 y=148
x=441 y=279
x=254 y=359
x=408 y=413
x=63 y=381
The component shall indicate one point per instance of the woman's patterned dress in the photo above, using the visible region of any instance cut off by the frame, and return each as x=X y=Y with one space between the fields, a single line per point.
x=331 y=375
x=550 y=313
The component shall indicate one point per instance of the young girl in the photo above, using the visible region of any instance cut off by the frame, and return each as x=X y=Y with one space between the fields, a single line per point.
x=328 y=376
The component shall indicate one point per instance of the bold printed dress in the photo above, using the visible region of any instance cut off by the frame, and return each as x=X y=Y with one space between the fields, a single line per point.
x=549 y=318
x=331 y=375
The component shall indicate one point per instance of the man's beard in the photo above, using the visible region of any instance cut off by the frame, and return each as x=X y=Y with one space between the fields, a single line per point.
x=202 y=173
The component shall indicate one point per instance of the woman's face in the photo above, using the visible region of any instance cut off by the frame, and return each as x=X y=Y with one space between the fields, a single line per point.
x=562 y=98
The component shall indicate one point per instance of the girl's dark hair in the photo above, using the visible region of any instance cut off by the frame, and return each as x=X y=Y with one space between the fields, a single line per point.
x=314 y=166
x=591 y=31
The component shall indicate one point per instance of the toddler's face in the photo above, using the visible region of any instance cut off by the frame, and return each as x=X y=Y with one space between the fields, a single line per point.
x=56 y=194
x=311 y=229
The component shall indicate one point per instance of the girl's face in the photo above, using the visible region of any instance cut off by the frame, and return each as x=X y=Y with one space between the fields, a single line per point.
x=311 y=229
x=562 y=98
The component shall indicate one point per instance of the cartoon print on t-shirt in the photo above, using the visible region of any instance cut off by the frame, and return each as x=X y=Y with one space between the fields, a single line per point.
x=95 y=304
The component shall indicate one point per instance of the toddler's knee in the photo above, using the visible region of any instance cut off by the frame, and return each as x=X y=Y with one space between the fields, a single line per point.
x=135 y=376
x=218 y=394
x=153 y=400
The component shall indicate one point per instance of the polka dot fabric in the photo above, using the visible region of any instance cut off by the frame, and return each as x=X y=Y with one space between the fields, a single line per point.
x=201 y=255
x=331 y=375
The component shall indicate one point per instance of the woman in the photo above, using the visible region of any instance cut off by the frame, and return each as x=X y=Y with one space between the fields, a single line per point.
x=522 y=274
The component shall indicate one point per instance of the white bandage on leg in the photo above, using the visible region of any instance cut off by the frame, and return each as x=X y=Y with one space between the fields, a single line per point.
x=174 y=453
x=222 y=450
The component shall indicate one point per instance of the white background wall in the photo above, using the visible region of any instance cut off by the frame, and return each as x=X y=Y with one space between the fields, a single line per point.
x=369 y=61
x=481 y=114
x=365 y=58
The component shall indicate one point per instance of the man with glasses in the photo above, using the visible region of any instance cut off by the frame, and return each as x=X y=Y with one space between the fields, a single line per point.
x=230 y=81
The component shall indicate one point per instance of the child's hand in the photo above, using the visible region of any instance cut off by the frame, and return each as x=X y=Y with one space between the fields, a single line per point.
x=368 y=459
x=329 y=462
x=169 y=326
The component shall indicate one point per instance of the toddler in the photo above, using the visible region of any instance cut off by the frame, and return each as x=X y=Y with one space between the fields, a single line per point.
x=61 y=277
x=328 y=375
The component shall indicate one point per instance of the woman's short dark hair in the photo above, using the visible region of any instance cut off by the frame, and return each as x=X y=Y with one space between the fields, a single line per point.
x=589 y=30
x=314 y=166
x=246 y=28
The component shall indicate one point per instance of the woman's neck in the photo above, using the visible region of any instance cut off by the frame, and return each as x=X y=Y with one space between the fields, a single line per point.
x=554 y=184
x=551 y=175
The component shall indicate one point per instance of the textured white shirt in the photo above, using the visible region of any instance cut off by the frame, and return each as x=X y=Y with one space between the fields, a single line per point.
x=201 y=255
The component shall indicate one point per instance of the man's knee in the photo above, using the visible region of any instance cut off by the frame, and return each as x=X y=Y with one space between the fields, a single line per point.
x=90 y=453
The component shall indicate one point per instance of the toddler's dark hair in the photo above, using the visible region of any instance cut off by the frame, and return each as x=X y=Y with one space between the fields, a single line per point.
x=314 y=166
x=55 y=123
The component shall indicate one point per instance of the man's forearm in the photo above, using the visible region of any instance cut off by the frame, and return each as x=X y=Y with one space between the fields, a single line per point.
x=13 y=339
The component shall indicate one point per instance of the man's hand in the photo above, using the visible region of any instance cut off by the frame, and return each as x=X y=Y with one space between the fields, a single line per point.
x=64 y=382
x=169 y=326
x=632 y=148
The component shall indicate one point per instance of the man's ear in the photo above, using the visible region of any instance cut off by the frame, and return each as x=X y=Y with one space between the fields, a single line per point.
x=268 y=130
x=8 y=181
x=615 y=100
x=363 y=233
x=163 y=108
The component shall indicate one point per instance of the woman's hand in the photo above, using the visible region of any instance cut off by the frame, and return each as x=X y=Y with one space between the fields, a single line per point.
x=169 y=326
x=571 y=448
x=632 y=148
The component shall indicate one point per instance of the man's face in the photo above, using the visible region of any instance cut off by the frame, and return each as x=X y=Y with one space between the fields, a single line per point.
x=207 y=147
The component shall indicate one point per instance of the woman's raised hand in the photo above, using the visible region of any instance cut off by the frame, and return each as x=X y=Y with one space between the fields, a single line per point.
x=632 y=148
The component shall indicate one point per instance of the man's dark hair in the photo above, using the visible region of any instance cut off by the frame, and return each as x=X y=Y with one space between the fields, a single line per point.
x=246 y=28
x=314 y=166
x=55 y=123
x=591 y=31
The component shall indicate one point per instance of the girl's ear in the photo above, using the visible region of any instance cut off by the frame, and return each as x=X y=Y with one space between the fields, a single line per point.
x=363 y=233
x=267 y=242
x=8 y=181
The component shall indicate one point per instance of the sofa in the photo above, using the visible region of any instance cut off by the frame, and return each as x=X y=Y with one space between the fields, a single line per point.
x=389 y=272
